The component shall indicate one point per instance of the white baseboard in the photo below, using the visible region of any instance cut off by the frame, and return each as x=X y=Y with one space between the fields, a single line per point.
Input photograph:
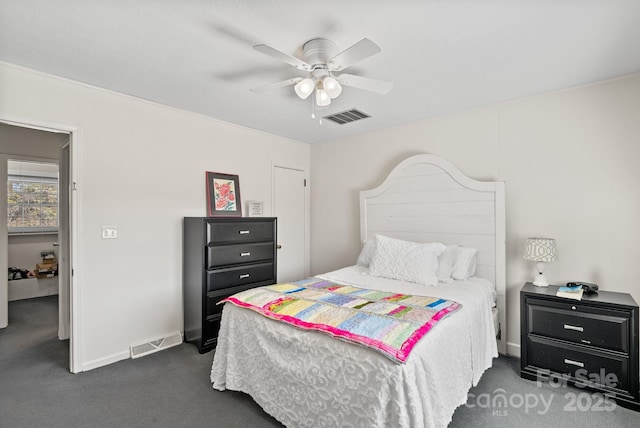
x=101 y=362
x=513 y=349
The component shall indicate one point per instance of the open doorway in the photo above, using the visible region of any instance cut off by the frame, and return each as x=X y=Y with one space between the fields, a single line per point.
x=33 y=162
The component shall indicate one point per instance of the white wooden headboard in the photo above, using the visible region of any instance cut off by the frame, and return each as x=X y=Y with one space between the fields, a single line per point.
x=427 y=199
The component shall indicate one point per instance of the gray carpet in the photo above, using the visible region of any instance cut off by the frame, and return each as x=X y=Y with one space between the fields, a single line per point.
x=171 y=389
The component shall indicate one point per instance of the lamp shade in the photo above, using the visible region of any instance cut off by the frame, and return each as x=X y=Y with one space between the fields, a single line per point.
x=322 y=98
x=541 y=250
x=304 y=88
x=332 y=86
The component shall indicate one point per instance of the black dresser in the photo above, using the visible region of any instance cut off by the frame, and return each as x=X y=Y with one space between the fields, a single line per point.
x=591 y=343
x=222 y=256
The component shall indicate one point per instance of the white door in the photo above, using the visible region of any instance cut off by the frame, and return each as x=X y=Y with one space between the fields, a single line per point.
x=4 y=245
x=289 y=208
x=64 y=272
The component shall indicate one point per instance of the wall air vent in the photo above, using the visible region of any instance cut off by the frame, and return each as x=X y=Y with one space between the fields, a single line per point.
x=156 y=345
x=347 y=116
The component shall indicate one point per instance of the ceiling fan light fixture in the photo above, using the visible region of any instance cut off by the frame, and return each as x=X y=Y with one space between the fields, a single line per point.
x=304 y=88
x=320 y=62
x=331 y=85
x=322 y=98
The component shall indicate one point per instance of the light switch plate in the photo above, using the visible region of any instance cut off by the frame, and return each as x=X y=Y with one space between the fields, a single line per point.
x=109 y=232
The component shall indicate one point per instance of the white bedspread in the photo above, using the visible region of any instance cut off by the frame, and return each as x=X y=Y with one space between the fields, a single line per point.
x=309 y=379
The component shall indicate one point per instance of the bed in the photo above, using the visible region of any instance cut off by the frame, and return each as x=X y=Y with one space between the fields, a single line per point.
x=308 y=378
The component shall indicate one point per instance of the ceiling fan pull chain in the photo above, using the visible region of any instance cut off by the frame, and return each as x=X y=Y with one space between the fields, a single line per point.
x=313 y=111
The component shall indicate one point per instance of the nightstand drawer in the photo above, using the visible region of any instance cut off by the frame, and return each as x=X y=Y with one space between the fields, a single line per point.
x=231 y=277
x=225 y=255
x=244 y=231
x=590 y=326
x=610 y=369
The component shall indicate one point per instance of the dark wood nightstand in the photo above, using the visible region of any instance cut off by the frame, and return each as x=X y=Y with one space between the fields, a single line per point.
x=592 y=342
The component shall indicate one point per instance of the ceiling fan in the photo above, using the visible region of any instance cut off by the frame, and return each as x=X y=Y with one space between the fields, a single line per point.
x=322 y=61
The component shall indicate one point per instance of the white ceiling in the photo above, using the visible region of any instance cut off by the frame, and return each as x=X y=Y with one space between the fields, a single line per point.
x=442 y=55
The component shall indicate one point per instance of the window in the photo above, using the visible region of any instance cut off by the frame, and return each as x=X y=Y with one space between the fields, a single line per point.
x=32 y=190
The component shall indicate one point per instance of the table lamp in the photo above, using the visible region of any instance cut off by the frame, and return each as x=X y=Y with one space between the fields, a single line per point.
x=541 y=250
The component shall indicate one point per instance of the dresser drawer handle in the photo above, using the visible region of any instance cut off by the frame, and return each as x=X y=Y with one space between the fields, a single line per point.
x=245 y=254
x=573 y=327
x=244 y=275
x=245 y=232
x=573 y=363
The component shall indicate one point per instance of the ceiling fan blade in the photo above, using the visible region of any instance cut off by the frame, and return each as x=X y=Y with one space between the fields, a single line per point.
x=373 y=85
x=361 y=50
x=270 y=86
x=275 y=53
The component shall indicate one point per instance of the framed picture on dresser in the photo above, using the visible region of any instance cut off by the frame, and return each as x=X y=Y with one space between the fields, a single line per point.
x=223 y=195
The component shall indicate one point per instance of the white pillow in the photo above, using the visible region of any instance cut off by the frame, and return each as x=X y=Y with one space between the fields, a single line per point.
x=364 y=259
x=464 y=265
x=406 y=261
x=445 y=263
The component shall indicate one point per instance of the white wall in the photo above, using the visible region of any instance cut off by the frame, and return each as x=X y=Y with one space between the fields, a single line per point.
x=140 y=166
x=24 y=253
x=24 y=250
x=26 y=143
x=570 y=163
x=568 y=159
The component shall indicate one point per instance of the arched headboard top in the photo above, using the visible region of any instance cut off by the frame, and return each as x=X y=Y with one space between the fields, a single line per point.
x=427 y=199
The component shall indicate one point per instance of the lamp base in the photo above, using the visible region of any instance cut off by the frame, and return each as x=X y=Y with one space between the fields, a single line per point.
x=540 y=281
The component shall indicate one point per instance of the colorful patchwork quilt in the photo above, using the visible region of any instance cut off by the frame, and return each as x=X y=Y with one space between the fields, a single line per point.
x=387 y=322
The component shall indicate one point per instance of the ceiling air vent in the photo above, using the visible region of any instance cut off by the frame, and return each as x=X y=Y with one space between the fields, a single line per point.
x=347 y=116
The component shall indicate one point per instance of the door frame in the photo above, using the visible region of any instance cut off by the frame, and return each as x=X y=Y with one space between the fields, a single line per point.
x=75 y=138
x=307 y=210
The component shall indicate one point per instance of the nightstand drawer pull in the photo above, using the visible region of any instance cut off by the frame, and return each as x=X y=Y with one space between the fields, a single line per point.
x=244 y=275
x=573 y=327
x=245 y=254
x=573 y=363
x=245 y=232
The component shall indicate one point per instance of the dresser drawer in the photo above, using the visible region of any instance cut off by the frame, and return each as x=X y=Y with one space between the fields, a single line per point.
x=245 y=231
x=591 y=326
x=212 y=304
x=580 y=364
x=225 y=255
x=211 y=329
x=231 y=277
x=212 y=308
